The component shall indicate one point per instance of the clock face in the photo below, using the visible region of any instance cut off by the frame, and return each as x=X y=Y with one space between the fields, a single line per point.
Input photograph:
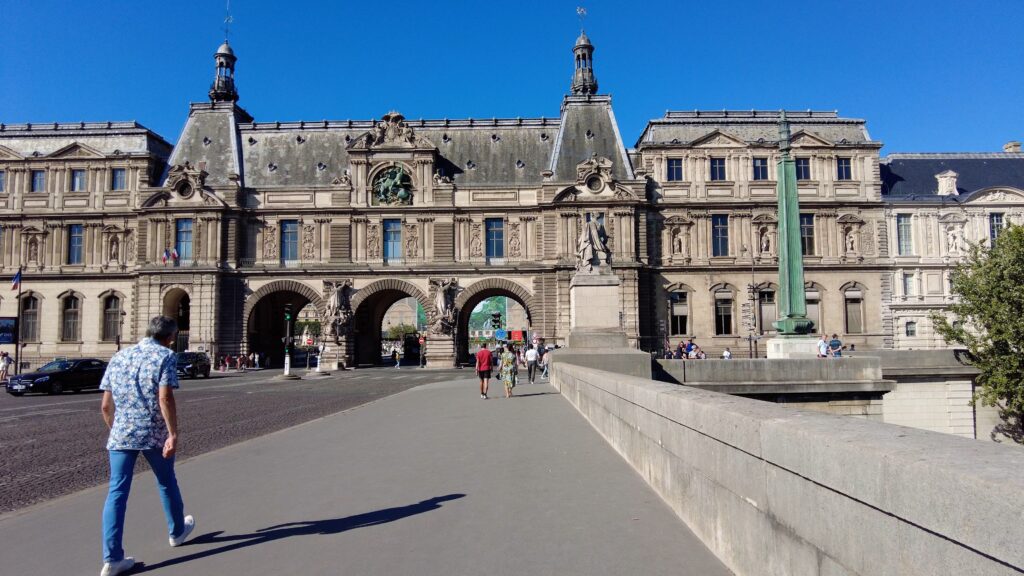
x=595 y=184
x=393 y=186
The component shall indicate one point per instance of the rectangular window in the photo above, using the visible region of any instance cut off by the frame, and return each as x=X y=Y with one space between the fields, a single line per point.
x=111 y=319
x=908 y=284
x=803 y=168
x=71 y=320
x=392 y=240
x=723 y=316
x=718 y=168
x=854 y=312
x=843 y=169
x=904 y=238
x=807 y=234
x=183 y=239
x=118 y=179
x=495 y=228
x=674 y=172
x=680 y=313
x=911 y=328
x=719 y=234
x=289 y=240
x=766 y=300
x=30 y=319
x=78 y=180
x=2 y=174
x=814 y=309
x=760 y=168
x=75 y=237
x=39 y=181
x=995 y=226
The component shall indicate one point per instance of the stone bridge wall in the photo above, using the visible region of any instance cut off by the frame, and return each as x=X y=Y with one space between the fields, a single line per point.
x=777 y=491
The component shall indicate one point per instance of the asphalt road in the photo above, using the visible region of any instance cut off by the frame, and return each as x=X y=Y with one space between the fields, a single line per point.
x=55 y=445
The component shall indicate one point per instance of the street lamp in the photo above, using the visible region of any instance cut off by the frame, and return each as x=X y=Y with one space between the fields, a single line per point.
x=120 y=327
x=752 y=304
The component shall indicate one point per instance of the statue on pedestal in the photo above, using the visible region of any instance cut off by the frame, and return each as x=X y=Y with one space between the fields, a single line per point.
x=591 y=250
x=444 y=306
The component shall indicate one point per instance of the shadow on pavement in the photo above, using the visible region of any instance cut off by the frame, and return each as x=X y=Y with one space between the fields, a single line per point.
x=533 y=394
x=308 y=528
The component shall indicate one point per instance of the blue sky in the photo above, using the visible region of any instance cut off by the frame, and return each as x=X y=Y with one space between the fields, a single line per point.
x=932 y=75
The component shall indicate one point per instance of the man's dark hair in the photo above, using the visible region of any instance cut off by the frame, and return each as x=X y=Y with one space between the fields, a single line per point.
x=484 y=345
x=161 y=328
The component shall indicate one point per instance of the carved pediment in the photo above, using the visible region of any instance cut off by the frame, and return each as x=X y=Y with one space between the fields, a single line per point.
x=391 y=131
x=764 y=219
x=678 y=221
x=849 y=219
x=952 y=218
x=76 y=150
x=997 y=195
x=805 y=139
x=184 y=180
x=8 y=154
x=32 y=231
x=718 y=139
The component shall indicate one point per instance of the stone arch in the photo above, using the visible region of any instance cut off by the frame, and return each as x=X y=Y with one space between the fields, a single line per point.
x=390 y=284
x=369 y=305
x=281 y=286
x=497 y=285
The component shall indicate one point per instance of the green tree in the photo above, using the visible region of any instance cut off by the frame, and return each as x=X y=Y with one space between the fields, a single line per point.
x=398 y=331
x=988 y=319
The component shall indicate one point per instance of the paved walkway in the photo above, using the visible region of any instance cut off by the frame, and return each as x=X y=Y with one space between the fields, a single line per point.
x=431 y=481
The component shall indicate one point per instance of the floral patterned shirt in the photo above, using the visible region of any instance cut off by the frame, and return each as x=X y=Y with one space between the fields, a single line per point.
x=134 y=377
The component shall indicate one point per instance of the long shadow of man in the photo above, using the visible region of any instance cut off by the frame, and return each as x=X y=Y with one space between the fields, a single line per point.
x=306 y=528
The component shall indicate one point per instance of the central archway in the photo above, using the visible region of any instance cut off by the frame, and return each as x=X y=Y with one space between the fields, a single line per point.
x=263 y=317
x=370 y=304
x=479 y=291
x=178 y=305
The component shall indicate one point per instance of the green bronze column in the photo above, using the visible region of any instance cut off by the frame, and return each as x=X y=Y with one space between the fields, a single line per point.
x=792 y=301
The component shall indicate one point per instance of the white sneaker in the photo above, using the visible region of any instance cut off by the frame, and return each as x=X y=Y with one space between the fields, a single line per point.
x=119 y=567
x=190 y=525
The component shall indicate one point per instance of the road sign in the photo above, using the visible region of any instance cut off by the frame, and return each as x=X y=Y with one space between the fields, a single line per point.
x=500 y=334
x=309 y=341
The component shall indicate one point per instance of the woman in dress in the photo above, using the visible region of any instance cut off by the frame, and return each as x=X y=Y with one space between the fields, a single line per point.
x=508 y=370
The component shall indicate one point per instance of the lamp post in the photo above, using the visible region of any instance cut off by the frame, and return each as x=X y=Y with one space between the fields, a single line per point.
x=287 y=339
x=752 y=338
x=120 y=327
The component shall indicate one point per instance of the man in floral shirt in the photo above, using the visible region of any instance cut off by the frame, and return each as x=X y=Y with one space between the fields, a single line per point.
x=138 y=407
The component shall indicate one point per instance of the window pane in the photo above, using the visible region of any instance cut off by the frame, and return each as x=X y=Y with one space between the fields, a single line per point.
x=911 y=329
x=723 y=317
x=760 y=168
x=75 y=236
x=38 y=181
x=392 y=240
x=853 y=316
x=289 y=240
x=843 y=170
x=77 y=180
x=30 y=319
x=183 y=238
x=720 y=235
x=995 y=226
x=903 y=231
x=803 y=168
x=908 y=284
x=679 y=312
x=718 y=168
x=814 y=314
x=117 y=179
x=2 y=180
x=495 y=228
x=111 y=318
x=675 y=170
x=69 y=325
x=807 y=234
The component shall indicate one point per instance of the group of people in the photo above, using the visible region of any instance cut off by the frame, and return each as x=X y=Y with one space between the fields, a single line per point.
x=239 y=362
x=831 y=348
x=504 y=362
x=690 y=351
x=5 y=366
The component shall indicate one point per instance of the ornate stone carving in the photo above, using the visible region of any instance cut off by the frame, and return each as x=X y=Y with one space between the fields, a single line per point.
x=476 y=241
x=270 y=242
x=308 y=242
x=947 y=183
x=373 y=241
x=184 y=180
x=338 y=311
x=515 y=243
x=412 y=241
x=592 y=252
x=867 y=241
x=393 y=186
x=129 y=247
x=440 y=179
x=444 y=315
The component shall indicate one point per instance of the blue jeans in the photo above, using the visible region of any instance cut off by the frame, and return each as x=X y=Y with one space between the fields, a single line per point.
x=122 y=466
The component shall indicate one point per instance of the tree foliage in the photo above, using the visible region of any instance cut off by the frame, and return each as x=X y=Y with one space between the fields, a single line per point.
x=988 y=319
x=398 y=331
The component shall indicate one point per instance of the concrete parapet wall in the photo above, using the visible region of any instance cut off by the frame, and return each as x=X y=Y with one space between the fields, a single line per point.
x=764 y=370
x=776 y=491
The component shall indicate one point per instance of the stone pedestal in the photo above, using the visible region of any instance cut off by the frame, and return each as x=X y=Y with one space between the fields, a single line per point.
x=793 y=347
x=594 y=309
x=440 y=351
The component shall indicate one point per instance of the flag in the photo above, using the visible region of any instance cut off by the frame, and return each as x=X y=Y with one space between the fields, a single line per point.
x=165 y=255
x=174 y=253
x=16 y=281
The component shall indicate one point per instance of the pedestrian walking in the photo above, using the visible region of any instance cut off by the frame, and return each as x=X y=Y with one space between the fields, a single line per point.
x=256 y=360
x=397 y=357
x=423 y=351
x=138 y=406
x=545 y=362
x=531 y=364
x=508 y=370
x=727 y=355
x=5 y=366
x=483 y=369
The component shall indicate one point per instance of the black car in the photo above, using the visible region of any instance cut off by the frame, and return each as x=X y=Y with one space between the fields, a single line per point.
x=58 y=376
x=194 y=364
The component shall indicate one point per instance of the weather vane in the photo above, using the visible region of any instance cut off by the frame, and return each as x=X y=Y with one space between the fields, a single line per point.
x=227 y=20
x=582 y=13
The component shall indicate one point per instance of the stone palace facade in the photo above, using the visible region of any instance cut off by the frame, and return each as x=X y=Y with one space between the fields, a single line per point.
x=111 y=224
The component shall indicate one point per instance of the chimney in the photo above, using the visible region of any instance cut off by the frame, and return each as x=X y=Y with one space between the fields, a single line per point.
x=1011 y=146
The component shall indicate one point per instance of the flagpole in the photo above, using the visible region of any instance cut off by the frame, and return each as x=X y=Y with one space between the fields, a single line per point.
x=17 y=325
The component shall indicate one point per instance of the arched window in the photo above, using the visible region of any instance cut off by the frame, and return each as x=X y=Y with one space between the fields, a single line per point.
x=30 y=319
x=111 y=318
x=854 y=297
x=679 y=312
x=724 y=301
x=71 y=314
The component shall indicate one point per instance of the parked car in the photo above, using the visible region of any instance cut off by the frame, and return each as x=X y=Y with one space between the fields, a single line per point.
x=194 y=364
x=60 y=375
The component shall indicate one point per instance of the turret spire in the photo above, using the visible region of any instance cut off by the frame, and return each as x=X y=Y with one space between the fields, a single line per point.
x=583 y=79
x=223 y=87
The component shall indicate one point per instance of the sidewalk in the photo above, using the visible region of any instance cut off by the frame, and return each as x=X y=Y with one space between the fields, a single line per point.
x=431 y=481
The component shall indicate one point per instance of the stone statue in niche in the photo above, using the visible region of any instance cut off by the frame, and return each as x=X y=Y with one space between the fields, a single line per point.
x=115 y=249
x=766 y=241
x=678 y=242
x=952 y=241
x=591 y=248
x=338 y=312
x=412 y=241
x=851 y=241
x=33 y=250
x=372 y=242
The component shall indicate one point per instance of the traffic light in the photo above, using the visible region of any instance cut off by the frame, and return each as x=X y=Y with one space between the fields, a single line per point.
x=496 y=320
x=287 y=312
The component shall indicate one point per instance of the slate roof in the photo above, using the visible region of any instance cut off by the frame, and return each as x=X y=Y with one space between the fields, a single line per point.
x=752 y=127
x=911 y=177
x=109 y=138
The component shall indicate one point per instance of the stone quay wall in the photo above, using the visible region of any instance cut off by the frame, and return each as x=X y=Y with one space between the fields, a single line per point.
x=776 y=491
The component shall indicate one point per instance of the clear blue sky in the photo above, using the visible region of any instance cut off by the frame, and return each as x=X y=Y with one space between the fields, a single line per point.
x=935 y=75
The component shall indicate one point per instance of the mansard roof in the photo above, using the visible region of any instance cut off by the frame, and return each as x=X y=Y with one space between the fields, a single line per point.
x=755 y=127
x=107 y=138
x=912 y=176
